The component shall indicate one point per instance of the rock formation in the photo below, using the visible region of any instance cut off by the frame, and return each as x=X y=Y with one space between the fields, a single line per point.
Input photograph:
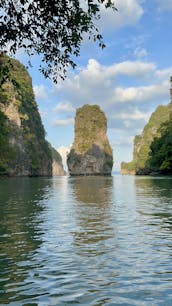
x=91 y=153
x=57 y=166
x=26 y=150
x=142 y=143
x=23 y=148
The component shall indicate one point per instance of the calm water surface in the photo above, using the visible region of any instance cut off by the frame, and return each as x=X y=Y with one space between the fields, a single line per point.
x=86 y=241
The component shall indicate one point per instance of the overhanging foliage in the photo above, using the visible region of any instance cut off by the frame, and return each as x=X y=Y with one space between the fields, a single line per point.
x=53 y=29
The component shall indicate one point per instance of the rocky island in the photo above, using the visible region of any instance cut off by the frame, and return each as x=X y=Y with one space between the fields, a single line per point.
x=152 y=146
x=91 y=153
x=24 y=150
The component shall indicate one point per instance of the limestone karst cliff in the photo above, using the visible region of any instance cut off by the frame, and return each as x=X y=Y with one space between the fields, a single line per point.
x=142 y=160
x=23 y=148
x=91 y=153
x=57 y=165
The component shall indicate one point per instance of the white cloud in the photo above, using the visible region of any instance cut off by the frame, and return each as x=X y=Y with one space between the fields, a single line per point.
x=99 y=84
x=140 y=94
x=94 y=72
x=164 y=74
x=63 y=107
x=140 y=52
x=129 y=125
x=164 y=5
x=63 y=122
x=135 y=115
x=128 y=92
x=129 y=13
x=123 y=141
x=130 y=68
x=40 y=91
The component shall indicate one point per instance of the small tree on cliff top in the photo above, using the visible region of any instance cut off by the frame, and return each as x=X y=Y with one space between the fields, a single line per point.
x=53 y=29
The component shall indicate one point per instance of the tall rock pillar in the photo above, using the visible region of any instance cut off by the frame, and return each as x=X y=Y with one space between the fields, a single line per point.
x=91 y=153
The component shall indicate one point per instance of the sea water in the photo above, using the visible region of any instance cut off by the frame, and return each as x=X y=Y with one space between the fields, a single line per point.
x=86 y=241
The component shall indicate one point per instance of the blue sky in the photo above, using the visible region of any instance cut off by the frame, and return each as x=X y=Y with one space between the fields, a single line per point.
x=128 y=79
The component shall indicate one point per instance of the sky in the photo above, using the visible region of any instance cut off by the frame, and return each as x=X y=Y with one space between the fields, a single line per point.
x=128 y=79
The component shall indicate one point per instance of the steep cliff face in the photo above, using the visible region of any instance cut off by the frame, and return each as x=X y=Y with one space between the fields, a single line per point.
x=142 y=143
x=23 y=148
x=91 y=153
x=57 y=165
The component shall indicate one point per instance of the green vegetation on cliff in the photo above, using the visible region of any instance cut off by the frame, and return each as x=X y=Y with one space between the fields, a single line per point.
x=160 y=157
x=90 y=124
x=128 y=167
x=91 y=153
x=5 y=150
x=25 y=127
x=142 y=143
x=55 y=155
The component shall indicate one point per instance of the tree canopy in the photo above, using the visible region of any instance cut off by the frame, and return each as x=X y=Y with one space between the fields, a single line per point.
x=53 y=29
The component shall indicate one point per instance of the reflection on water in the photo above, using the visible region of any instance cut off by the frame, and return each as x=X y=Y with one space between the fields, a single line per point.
x=86 y=241
x=92 y=190
x=154 y=203
x=92 y=214
x=159 y=187
x=21 y=205
x=154 y=199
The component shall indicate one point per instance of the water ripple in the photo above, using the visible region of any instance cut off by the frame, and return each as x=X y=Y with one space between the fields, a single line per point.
x=86 y=241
